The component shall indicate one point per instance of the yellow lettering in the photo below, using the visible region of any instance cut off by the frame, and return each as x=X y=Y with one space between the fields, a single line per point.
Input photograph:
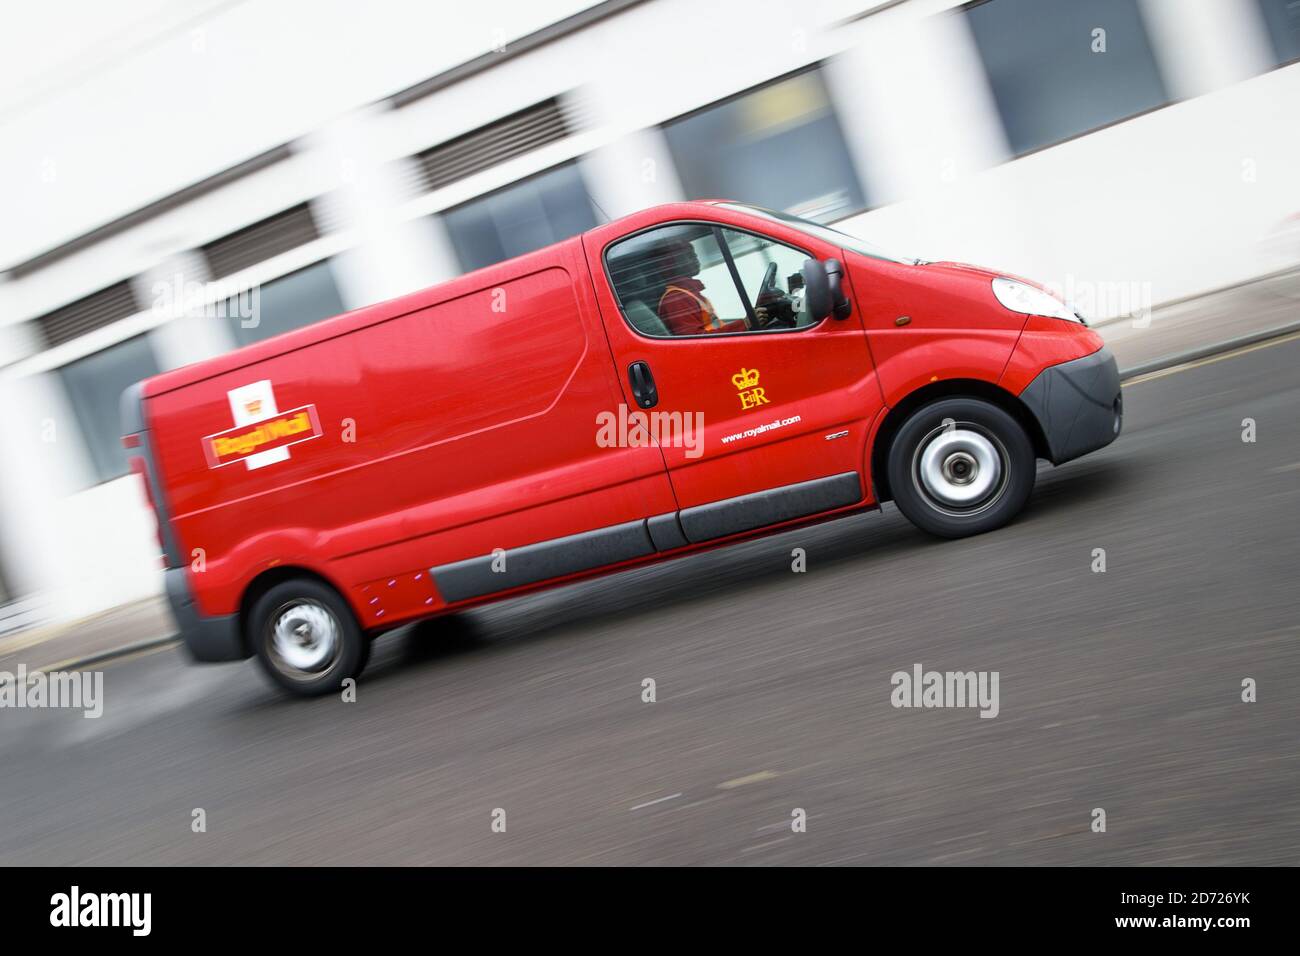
x=269 y=431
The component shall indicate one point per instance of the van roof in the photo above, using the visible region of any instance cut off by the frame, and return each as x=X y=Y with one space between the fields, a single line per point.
x=383 y=311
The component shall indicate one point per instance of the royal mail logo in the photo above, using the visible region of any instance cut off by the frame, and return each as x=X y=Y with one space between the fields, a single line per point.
x=262 y=434
x=750 y=395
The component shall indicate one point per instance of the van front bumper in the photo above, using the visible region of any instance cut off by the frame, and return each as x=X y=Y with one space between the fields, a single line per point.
x=208 y=638
x=1078 y=405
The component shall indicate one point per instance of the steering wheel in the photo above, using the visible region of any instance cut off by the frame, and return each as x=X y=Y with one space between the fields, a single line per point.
x=780 y=311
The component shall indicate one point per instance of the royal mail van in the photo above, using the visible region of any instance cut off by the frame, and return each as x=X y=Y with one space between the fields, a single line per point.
x=689 y=376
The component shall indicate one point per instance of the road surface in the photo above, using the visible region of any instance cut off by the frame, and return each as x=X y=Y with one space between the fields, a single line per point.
x=1118 y=690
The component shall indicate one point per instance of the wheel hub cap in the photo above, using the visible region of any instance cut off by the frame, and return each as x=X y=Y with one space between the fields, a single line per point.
x=960 y=467
x=305 y=637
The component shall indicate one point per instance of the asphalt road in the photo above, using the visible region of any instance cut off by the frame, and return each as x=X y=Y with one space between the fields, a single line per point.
x=1118 y=690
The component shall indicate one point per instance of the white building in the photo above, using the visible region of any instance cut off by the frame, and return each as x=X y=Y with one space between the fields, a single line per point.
x=330 y=154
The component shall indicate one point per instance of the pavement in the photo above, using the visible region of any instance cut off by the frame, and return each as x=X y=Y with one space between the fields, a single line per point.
x=114 y=632
x=1119 y=691
x=1202 y=322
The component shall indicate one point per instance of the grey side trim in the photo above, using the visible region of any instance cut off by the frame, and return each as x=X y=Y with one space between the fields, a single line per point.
x=133 y=423
x=1077 y=404
x=207 y=638
x=474 y=577
x=746 y=512
x=666 y=532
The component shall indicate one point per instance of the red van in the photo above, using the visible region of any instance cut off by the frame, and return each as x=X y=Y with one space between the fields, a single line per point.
x=689 y=376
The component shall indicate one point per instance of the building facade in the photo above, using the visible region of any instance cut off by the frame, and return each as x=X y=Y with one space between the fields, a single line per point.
x=269 y=165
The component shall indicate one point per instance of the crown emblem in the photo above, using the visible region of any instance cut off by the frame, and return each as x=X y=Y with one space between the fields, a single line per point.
x=745 y=378
x=253 y=407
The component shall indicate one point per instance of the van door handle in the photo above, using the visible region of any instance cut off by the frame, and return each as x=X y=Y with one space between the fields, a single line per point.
x=643 y=385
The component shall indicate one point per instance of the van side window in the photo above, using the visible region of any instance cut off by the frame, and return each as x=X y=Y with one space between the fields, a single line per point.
x=690 y=279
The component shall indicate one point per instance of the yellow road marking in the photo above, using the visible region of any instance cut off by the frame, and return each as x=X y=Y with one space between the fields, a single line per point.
x=752 y=778
x=1210 y=359
x=763 y=846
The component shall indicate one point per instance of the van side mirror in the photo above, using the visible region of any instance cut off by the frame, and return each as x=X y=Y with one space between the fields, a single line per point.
x=817 y=289
x=841 y=307
x=824 y=294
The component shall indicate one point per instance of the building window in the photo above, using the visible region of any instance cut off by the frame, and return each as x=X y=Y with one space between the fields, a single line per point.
x=778 y=146
x=529 y=129
x=1282 y=17
x=285 y=304
x=527 y=215
x=1059 y=68
x=89 y=313
x=95 y=385
x=261 y=241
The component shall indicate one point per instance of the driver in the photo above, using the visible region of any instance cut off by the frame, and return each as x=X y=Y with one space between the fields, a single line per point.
x=683 y=307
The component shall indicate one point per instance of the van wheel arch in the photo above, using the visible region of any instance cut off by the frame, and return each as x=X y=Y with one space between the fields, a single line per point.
x=949 y=388
x=269 y=579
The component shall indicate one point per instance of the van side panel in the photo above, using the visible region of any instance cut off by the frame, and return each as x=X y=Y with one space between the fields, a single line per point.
x=463 y=426
x=927 y=324
x=233 y=521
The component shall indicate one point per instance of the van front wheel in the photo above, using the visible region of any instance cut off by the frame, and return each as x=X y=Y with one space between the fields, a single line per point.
x=961 y=466
x=306 y=637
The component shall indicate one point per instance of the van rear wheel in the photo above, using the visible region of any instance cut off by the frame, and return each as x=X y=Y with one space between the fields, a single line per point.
x=306 y=637
x=961 y=466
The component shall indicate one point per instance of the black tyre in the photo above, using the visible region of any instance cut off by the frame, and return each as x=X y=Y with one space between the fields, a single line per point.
x=961 y=466
x=306 y=637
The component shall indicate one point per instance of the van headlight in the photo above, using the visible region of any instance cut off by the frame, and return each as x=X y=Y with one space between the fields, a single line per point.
x=1019 y=297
